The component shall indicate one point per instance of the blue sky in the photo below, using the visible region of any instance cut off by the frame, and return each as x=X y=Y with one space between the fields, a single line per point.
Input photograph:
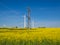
x=43 y=12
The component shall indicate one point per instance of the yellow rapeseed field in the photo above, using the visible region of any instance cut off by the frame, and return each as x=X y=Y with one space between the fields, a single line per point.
x=38 y=33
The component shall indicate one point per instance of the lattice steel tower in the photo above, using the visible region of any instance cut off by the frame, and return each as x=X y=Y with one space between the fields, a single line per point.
x=29 y=19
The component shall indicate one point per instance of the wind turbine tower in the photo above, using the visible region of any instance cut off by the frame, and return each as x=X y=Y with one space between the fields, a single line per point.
x=32 y=24
x=24 y=21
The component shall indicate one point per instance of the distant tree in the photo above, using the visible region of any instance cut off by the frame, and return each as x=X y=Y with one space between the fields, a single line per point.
x=16 y=27
x=41 y=27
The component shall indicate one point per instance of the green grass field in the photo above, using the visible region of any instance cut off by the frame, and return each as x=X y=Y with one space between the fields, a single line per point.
x=37 y=36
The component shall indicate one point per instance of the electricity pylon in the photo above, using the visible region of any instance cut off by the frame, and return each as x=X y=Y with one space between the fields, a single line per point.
x=28 y=16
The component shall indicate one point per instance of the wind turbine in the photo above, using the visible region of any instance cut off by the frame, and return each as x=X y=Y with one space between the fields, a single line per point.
x=32 y=24
x=4 y=25
x=24 y=21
